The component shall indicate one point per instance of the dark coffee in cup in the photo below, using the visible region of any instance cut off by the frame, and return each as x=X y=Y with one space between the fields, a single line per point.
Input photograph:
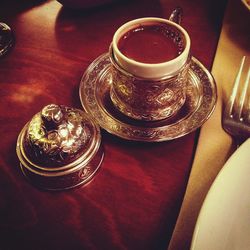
x=151 y=43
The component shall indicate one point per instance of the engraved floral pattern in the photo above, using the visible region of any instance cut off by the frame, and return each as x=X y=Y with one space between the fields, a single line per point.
x=148 y=99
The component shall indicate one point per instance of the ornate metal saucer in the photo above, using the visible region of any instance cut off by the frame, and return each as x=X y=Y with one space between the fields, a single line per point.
x=95 y=98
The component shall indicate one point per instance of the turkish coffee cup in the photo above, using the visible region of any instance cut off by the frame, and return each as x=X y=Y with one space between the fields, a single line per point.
x=150 y=58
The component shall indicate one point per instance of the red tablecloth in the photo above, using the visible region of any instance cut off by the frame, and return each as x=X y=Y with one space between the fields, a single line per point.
x=134 y=200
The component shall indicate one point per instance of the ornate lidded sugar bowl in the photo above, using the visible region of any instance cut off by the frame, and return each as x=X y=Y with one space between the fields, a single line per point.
x=59 y=148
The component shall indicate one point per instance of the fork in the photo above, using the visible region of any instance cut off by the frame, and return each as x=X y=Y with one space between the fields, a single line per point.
x=236 y=116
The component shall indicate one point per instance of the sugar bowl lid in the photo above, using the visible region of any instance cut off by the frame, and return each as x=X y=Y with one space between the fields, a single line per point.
x=59 y=148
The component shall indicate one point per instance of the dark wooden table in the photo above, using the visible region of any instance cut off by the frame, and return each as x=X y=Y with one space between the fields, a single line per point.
x=134 y=200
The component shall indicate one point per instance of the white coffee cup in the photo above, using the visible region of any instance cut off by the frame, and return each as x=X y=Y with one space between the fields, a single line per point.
x=149 y=70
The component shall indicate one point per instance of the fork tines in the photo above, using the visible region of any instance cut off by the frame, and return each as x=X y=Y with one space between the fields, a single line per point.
x=236 y=117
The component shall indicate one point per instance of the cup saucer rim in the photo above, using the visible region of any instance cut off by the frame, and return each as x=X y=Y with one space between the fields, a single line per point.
x=200 y=79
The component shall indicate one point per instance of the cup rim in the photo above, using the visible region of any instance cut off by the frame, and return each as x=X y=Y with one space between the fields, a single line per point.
x=128 y=74
x=153 y=69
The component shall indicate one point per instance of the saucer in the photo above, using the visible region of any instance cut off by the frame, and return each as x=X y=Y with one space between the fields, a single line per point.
x=95 y=98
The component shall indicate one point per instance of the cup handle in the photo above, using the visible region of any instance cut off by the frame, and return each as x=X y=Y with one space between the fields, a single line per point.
x=176 y=15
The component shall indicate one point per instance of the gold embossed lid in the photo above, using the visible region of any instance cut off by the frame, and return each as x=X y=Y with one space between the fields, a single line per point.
x=60 y=148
